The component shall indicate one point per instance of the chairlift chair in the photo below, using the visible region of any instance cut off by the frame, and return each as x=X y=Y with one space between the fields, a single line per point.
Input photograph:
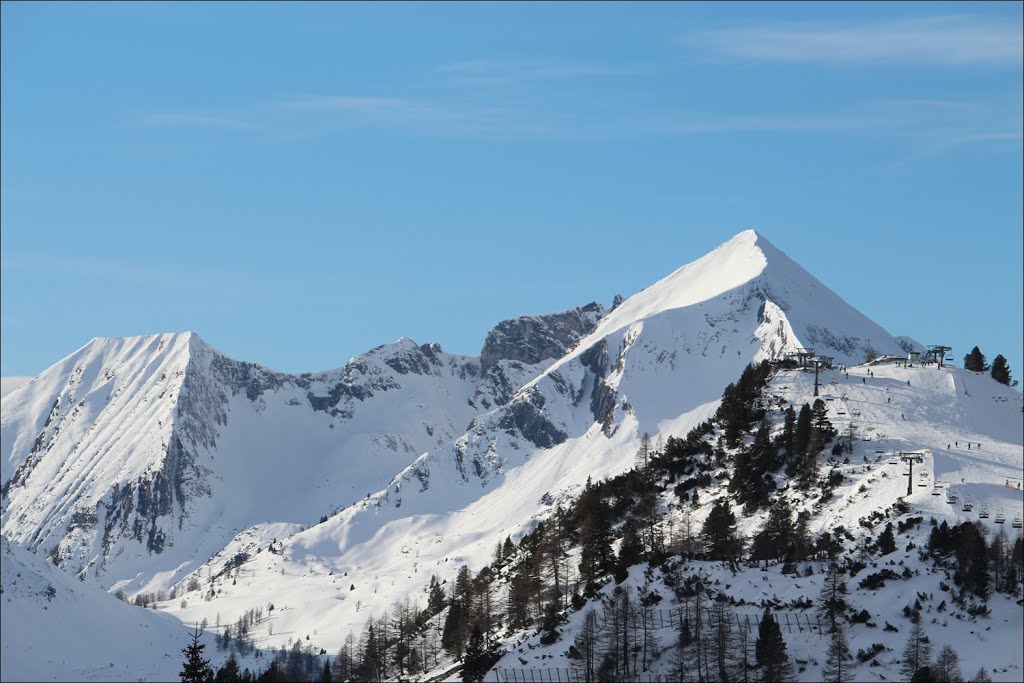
x=1000 y=517
x=1017 y=523
x=983 y=513
x=968 y=506
x=936 y=490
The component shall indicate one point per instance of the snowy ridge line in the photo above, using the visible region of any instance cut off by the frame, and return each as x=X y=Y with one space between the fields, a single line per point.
x=483 y=451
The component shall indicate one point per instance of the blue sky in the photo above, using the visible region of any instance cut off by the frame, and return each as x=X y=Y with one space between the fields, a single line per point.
x=301 y=182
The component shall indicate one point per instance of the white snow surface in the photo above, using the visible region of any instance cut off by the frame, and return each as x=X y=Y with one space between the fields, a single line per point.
x=271 y=465
x=10 y=383
x=78 y=632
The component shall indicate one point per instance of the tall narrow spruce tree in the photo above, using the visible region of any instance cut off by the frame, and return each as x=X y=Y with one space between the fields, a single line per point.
x=196 y=669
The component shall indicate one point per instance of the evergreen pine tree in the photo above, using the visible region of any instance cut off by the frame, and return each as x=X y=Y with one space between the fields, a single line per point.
x=750 y=481
x=229 y=673
x=435 y=597
x=802 y=433
x=595 y=525
x=196 y=669
x=273 y=673
x=975 y=360
x=325 y=674
x=456 y=624
x=508 y=548
x=775 y=539
x=788 y=438
x=463 y=590
x=719 y=531
x=887 y=541
x=478 y=659
x=1001 y=371
x=630 y=550
x=770 y=650
x=802 y=465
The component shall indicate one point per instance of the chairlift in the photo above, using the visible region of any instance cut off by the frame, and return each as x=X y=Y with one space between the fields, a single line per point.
x=968 y=506
x=1017 y=524
x=1000 y=517
x=936 y=490
x=840 y=412
x=983 y=513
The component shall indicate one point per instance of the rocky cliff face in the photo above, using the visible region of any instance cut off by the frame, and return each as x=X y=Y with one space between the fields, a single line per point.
x=532 y=339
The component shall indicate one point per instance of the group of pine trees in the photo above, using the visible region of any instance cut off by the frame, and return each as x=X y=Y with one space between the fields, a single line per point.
x=999 y=370
x=534 y=584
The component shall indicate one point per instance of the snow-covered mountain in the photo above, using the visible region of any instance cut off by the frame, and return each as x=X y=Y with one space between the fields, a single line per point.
x=142 y=463
x=657 y=363
x=146 y=454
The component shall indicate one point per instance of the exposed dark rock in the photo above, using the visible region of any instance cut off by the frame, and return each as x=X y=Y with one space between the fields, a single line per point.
x=602 y=397
x=534 y=338
x=416 y=361
x=526 y=415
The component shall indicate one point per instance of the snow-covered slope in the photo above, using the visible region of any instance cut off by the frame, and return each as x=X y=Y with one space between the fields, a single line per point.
x=657 y=363
x=57 y=629
x=136 y=461
x=140 y=457
x=927 y=410
x=9 y=384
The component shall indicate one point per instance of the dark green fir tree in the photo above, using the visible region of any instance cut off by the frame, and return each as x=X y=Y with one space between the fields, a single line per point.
x=975 y=361
x=1001 y=371
x=195 y=669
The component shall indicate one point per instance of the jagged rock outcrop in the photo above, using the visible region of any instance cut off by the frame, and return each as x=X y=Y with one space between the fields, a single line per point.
x=532 y=339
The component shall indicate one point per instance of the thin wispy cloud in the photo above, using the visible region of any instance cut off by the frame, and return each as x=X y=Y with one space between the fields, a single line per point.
x=489 y=72
x=934 y=124
x=953 y=122
x=940 y=41
x=323 y=114
x=198 y=120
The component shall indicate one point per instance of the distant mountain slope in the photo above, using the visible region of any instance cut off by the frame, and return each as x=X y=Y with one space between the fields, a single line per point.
x=9 y=384
x=146 y=454
x=57 y=629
